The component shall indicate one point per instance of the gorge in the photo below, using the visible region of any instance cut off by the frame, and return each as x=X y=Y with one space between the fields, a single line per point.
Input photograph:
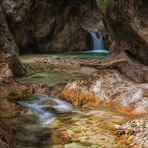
x=57 y=89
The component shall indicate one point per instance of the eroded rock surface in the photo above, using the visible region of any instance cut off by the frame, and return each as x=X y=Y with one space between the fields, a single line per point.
x=4 y=135
x=127 y=26
x=60 y=25
x=109 y=88
x=51 y=25
x=9 y=63
x=8 y=48
x=134 y=132
x=9 y=66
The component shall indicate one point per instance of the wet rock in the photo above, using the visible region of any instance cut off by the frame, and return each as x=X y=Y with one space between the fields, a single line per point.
x=87 y=132
x=10 y=66
x=87 y=70
x=58 y=62
x=74 y=145
x=109 y=88
x=5 y=137
x=145 y=89
x=8 y=48
x=135 y=132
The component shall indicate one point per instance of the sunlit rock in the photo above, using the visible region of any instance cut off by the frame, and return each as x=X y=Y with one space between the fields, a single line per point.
x=109 y=88
x=134 y=133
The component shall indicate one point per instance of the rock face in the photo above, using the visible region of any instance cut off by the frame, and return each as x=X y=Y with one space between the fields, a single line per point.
x=9 y=63
x=4 y=135
x=58 y=25
x=127 y=25
x=109 y=88
x=8 y=50
x=9 y=66
x=52 y=25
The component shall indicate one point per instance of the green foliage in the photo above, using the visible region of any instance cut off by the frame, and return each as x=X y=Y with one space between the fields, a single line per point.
x=105 y=3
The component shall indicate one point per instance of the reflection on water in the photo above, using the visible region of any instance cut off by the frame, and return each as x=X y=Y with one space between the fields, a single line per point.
x=52 y=123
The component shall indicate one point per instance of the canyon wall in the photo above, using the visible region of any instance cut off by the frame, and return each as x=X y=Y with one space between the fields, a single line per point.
x=49 y=25
x=127 y=25
x=8 y=51
x=52 y=25
x=56 y=25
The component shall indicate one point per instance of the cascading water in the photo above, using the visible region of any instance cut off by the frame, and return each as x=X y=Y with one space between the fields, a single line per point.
x=47 y=122
x=97 y=43
x=40 y=106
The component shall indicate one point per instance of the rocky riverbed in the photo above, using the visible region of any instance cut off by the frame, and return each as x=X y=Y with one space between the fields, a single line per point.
x=109 y=109
x=134 y=132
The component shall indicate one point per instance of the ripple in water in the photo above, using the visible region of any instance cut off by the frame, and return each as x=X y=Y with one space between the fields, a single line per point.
x=45 y=108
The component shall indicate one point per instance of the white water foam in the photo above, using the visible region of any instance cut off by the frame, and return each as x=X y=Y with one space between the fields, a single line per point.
x=38 y=108
x=98 y=44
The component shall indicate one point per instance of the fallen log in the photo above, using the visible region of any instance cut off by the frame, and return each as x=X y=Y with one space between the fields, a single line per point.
x=104 y=65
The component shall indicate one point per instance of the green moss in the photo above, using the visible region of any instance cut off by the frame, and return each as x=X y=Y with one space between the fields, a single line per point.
x=105 y=3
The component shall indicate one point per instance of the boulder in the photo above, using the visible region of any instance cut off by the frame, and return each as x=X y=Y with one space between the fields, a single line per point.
x=111 y=89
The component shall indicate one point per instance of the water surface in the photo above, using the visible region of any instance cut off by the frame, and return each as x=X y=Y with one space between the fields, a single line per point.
x=51 y=122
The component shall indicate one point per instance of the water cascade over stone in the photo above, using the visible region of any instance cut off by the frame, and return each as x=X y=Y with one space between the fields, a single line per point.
x=97 y=43
x=45 y=108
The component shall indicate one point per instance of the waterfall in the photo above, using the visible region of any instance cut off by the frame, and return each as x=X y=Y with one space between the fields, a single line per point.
x=97 y=43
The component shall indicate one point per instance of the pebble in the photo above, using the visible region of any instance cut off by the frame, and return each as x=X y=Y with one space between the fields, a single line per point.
x=137 y=132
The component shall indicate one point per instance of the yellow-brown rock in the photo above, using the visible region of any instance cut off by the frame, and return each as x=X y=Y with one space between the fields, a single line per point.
x=109 y=88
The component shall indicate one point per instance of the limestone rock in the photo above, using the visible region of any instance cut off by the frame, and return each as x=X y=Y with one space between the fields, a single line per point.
x=8 y=48
x=127 y=25
x=108 y=88
x=51 y=25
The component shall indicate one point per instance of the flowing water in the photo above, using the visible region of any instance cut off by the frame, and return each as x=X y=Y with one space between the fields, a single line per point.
x=42 y=121
x=97 y=44
x=47 y=122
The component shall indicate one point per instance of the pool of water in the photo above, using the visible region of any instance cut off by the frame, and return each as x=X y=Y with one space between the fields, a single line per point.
x=84 y=54
x=78 y=54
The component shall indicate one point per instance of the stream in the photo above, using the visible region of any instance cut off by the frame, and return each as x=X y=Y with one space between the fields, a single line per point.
x=45 y=121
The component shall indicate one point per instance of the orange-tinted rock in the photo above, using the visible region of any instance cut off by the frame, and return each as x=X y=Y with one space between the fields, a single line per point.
x=109 y=87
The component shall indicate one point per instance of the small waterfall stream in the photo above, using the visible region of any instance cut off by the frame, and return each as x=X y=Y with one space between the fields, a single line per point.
x=45 y=108
x=97 y=43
